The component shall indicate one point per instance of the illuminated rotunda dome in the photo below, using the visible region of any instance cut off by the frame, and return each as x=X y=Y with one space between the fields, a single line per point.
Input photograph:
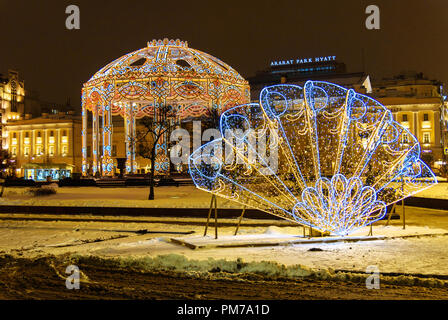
x=165 y=72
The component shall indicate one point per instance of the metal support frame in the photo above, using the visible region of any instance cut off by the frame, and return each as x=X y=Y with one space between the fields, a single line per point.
x=239 y=220
x=393 y=210
x=214 y=202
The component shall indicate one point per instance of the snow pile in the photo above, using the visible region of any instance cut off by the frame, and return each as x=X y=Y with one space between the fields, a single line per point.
x=438 y=191
x=11 y=191
x=284 y=230
x=222 y=268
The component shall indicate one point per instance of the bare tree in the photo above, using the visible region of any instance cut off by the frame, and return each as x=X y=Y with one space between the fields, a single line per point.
x=149 y=133
x=212 y=120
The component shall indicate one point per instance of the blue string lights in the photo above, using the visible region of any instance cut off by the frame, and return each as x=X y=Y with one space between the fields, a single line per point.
x=322 y=156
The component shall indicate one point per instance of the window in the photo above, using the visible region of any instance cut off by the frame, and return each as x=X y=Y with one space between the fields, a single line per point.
x=64 y=133
x=27 y=134
x=14 y=151
x=114 y=150
x=27 y=151
x=51 y=151
x=14 y=135
x=426 y=137
x=38 y=134
x=89 y=151
x=51 y=137
x=425 y=117
x=38 y=150
x=405 y=138
x=64 y=150
x=405 y=117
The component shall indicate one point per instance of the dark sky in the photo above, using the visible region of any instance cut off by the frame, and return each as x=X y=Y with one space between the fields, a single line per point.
x=245 y=34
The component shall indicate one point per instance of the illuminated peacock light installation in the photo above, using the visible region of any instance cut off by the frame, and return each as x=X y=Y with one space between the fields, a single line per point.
x=322 y=156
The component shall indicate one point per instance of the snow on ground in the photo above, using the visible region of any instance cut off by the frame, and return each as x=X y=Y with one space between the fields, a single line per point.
x=439 y=191
x=427 y=255
x=105 y=238
x=166 y=197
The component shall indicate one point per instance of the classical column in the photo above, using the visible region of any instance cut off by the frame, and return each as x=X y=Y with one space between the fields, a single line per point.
x=107 y=161
x=129 y=125
x=84 y=140
x=95 y=139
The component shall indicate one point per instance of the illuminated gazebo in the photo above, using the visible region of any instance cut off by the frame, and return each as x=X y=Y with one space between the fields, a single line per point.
x=165 y=72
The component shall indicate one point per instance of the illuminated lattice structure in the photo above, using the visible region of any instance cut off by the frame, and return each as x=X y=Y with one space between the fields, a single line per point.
x=165 y=73
x=322 y=156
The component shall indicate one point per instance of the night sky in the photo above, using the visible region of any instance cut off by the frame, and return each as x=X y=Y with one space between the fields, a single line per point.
x=245 y=34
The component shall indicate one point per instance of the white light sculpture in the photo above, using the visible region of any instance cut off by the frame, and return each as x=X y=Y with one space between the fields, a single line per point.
x=336 y=157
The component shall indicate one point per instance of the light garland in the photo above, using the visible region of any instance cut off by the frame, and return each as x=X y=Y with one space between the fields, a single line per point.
x=340 y=160
x=136 y=85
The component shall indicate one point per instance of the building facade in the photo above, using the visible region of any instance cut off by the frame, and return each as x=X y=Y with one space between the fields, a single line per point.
x=298 y=71
x=47 y=147
x=12 y=101
x=43 y=139
x=415 y=102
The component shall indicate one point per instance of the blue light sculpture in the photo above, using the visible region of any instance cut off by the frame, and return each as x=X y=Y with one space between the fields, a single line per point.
x=322 y=156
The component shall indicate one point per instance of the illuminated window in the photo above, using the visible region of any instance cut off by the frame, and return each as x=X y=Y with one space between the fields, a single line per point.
x=14 y=151
x=27 y=151
x=405 y=138
x=51 y=151
x=426 y=137
x=38 y=150
x=64 y=150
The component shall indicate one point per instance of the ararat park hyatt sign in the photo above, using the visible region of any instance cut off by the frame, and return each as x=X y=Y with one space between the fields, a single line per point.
x=302 y=61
